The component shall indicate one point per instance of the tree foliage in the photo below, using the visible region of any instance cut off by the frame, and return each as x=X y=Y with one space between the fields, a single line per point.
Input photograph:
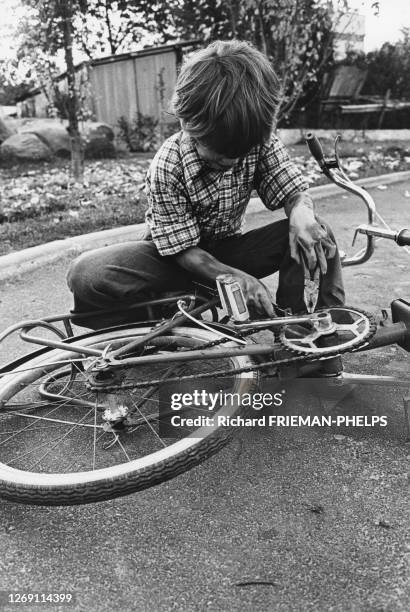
x=40 y=41
x=49 y=29
x=389 y=69
x=295 y=34
x=13 y=82
x=107 y=27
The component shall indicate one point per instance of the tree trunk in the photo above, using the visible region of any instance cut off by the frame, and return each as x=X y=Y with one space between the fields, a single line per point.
x=233 y=17
x=77 y=158
x=264 y=47
x=77 y=147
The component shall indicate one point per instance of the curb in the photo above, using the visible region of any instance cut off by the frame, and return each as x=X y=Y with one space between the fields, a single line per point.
x=324 y=191
x=24 y=261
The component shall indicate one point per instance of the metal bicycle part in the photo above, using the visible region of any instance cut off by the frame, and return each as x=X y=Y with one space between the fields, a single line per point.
x=333 y=170
x=350 y=328
x=278 y=357
x=79 y=448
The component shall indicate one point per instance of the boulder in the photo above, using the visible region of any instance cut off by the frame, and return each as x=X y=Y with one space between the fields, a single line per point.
x=94 y=129
x=52 y=132
x=99 y=140
x=5 y=130
x=53 y=135
x=25 y=147
x=98 y=137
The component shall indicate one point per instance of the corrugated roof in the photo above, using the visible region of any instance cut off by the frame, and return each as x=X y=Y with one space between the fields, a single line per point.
x=147 y=51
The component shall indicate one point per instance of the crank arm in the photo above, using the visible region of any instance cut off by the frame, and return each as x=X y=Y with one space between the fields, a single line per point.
x=321 y=318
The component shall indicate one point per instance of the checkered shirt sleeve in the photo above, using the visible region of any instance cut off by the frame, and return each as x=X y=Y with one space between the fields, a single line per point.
x=174 y=227
x=277 y=177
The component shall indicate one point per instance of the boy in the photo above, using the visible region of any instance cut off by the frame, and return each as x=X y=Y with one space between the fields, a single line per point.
x=198 y=187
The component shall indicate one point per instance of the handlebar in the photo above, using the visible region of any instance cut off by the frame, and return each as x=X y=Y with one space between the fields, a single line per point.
x=402 y=237
x=332 y=169
x=315 y=148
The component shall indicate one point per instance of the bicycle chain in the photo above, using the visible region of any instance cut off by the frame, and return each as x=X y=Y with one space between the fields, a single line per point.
x=254 y=367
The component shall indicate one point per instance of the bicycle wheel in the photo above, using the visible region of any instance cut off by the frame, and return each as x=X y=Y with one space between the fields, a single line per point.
x=56 y=446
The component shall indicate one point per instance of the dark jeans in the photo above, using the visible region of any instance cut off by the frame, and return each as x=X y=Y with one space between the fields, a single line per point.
x=125 y=273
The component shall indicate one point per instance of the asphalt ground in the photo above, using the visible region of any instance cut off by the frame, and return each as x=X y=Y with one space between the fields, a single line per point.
x=282 y=519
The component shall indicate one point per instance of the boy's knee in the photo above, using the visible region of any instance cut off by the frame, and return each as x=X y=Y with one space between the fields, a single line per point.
x=81 y=272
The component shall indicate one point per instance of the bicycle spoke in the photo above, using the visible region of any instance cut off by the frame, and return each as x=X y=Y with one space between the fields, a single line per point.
x=60 y=439
x=40 y=418
x=79 y=455
x=54 y=409
x=152 y=389
x=63 y=404
x=69 y=402
x=95 y=432
x=149 y=425
x=55 y=419
x=118 y=441
x=3 y=433
x=34 y=449
x=46 y=365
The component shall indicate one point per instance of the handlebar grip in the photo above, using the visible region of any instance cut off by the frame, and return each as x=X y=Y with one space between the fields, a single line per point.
x=315 y=147
x=403 y=238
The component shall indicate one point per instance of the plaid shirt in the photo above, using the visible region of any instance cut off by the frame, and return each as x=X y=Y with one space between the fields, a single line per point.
x=190 y=202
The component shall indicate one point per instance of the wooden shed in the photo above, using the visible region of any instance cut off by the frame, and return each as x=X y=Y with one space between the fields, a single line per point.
x=122 y=85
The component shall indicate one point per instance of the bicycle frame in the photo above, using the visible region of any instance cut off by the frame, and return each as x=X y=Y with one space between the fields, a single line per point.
x=104 y=389
x=397 y=333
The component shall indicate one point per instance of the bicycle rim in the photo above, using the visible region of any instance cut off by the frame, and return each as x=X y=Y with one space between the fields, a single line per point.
x=56 y=447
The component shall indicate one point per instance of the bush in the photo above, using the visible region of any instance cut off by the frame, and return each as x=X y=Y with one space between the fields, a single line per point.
x=141 y=134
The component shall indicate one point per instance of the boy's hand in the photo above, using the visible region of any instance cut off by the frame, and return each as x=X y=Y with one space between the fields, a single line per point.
x=256 y=294
x=307 y=233
x=202 y=264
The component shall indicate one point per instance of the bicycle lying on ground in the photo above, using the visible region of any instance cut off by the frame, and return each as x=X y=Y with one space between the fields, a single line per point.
x=84 y=419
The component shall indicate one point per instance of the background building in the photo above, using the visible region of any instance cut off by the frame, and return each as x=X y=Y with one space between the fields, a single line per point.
x=120 y=85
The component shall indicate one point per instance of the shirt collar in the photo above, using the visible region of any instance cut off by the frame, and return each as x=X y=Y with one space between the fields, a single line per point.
x=195 y=166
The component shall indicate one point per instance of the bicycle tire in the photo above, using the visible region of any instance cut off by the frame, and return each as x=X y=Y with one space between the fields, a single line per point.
x=59 y=489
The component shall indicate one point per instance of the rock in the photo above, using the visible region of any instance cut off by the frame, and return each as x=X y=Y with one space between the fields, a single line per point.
x=52 y=132
x=25 y=147
x=5 y=130
x=99 y=140
x=98 y=137
x=93 y=129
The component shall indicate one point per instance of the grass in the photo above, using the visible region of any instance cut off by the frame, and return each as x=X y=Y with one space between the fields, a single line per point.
x=111 y=198
x=37 y=205
x=116 y=212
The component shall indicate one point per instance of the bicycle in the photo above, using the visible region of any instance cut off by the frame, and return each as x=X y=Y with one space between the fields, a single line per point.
x=102 y=386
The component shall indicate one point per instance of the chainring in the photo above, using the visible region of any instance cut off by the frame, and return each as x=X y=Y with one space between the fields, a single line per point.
x=351 y=328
